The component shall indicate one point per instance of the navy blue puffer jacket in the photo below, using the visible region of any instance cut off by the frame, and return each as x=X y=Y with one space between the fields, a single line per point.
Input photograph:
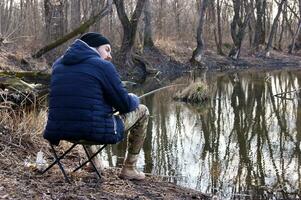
x=83 y=93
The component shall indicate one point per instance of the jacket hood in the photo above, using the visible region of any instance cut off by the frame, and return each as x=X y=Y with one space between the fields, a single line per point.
x=78 y=52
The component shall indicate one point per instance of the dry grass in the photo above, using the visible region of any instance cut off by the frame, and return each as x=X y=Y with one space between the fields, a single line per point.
x=15 y=60
x=21 y=126
x=179 y=50
x=21 y=130
x=196 y=92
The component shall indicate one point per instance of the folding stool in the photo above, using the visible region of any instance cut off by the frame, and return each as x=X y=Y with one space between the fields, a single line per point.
x=58 y=158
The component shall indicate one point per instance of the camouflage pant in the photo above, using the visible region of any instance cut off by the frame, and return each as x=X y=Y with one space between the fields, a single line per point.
x=135 y=124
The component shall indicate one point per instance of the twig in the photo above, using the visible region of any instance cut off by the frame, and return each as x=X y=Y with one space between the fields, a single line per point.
x=12 y=144
x=279 y=95
x=25 y=96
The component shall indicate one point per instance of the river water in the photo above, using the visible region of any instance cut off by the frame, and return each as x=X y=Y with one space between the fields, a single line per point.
x=244 y=143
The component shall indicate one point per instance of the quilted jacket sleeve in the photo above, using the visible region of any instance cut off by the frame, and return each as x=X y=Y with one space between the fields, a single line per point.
x=115 y=93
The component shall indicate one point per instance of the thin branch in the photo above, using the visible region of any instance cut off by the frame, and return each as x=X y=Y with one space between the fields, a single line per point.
x=280 y=95
x=81 y=29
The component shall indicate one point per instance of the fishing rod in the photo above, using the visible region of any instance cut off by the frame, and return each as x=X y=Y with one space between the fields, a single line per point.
x=159 y=89
x=152 y=92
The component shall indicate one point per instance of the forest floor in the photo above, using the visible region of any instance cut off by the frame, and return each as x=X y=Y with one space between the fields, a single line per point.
x=19 y=144
x=20 y=178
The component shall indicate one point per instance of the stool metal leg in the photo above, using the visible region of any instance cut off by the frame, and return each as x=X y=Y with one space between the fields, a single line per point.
x=86 y=151
x=59 y=157
x=90 y=158
x=60 y=165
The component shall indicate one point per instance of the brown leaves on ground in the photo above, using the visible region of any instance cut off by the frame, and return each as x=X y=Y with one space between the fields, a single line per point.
x=22 y=181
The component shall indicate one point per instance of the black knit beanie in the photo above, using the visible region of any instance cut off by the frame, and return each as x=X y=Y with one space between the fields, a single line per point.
x=94 y=39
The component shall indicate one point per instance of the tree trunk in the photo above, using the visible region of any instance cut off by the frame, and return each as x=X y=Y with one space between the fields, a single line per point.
x=81 y=29
x=282 y=27
x=299 y=34
x=251 y=25
x=161 y=19
x=36 y=17
x=54 y=19
x=66 y=23
x=129 y=30
x=289 y=26
x=95 y=8
x=148 y=38
x=176 y=10
x=264 y=27
x=199 y=51
x=219 y=28
x=259 y=27
x=273 y=29
x=111 y=23
x=9 y=15
x=296 y=41
x=238 y=28
x=292 y=46
x=1 y=17
x=75 y=14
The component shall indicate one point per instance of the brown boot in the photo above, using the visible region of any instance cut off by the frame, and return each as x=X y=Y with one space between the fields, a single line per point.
x=129 y=170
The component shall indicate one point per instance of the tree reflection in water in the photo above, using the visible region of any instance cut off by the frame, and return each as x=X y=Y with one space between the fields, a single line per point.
x=244 y=144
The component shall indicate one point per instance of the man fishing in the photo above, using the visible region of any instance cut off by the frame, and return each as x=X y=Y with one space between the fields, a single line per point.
x=86 y=91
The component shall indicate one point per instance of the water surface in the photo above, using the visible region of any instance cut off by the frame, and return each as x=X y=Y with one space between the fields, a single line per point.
x=243 y=144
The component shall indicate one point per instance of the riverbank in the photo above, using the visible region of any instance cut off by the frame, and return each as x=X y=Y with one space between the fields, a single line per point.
x=21 y=139
x=172 y=61
x=168 y=60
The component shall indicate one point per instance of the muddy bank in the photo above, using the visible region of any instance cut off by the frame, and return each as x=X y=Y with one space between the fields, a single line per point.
x=31 y=185
x=19 y=181
x=276 y=60
x=171 y=65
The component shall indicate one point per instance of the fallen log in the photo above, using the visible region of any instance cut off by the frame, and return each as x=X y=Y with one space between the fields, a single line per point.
x=19 y=89
x=23 y=88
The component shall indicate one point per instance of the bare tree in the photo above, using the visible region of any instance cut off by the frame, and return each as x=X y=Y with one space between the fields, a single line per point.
x=161 y=18
x=177 y=12
x=54 y=19
x=148 y=36
x=221 y=21
x=238 y=27
x=284 y=15
x=219 y=36
x=79 y=30
x=259 y=27
x=96 y=5
x=129 y=30
x=75 y=14
x=197 y=54
x=274 y=27
x=297 y=35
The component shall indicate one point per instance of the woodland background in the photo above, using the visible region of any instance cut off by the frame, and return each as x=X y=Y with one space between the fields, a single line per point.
x=171 y=35
x=222 y=26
